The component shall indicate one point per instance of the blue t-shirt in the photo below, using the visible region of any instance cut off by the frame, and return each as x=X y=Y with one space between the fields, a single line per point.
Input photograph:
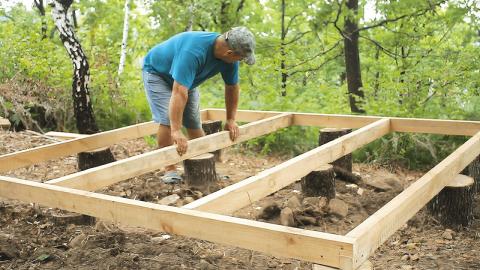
x=188 y=59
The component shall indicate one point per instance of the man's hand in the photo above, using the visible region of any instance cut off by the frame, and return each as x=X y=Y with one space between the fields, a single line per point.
x=180 y=140
x=232 y=126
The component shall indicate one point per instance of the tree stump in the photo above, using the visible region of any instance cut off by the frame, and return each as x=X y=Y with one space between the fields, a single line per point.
x=200 y=172
x=330 y=134
x=474 y=172
x=97 y=157
x=320 y=182
x=65 y=218
x=210 y=127
x=453 y=206
x=85 y=161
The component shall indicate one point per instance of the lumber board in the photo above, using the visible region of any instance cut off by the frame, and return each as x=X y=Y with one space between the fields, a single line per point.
x=436 y=126
x=105 y=175
x=376 y=229
x=243 y=193
x=242 y=115
x=65 y=135
x=60 y=149
x=4 y=123
x=413 y=125
x=272 y=239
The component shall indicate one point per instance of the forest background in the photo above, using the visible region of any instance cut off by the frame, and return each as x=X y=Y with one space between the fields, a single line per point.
x=404 y=58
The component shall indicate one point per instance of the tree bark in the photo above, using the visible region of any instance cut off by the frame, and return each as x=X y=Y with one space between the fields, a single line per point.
x=123 y=52
x=283 y=68
x=200 y=172
x=82 y=105
x=474 y=172
x=41 y=9
x=210 y=127
x=453 y=206
x=352 y=59
x=330 y=134
x=320 y=182
x=191 y=16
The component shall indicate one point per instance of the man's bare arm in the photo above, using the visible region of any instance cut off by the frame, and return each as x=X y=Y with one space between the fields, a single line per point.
x=232 y=94
x=177 y=105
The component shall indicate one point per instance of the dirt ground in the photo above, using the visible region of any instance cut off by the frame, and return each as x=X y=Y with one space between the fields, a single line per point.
x=34 y=237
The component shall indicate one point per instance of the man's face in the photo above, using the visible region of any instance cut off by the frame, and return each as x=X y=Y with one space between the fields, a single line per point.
x=231 y=57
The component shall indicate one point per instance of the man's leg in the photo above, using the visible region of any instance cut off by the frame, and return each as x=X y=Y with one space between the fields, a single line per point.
x=158 y=94
x=165 y=139
x=195 y=133
x=191 y=115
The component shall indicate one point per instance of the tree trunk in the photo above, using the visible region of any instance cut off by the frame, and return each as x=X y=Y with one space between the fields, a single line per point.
x=283 y=68
x=200 y=172
x=191 y=16
x=352 y=58
x=82 y=105
x=41 y=9
x=320 y=182
x=474 y=172
x=210 y=127
x=453 y=206
x=123 y=52
x=330 y=134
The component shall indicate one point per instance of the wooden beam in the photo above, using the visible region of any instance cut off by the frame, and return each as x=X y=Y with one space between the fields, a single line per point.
x=436 y=126
x=272 y=239
x=114 y=172
x=4 y=123
x=241 y=194
x=242 y=115
x=79 y=144
x=65 y=135
x=375 y=230
x=433 y=126
x=55 y=150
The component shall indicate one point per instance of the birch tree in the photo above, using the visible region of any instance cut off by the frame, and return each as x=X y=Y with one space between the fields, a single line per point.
x=123 y=52
x=82 y=105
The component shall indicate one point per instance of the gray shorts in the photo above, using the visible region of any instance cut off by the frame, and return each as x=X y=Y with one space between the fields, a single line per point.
x=158 y=93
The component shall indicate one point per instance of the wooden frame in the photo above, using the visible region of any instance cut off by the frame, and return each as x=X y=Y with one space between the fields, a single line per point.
x=74 y=192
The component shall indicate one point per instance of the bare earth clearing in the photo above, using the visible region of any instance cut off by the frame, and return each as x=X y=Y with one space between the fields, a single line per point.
x=32 y=238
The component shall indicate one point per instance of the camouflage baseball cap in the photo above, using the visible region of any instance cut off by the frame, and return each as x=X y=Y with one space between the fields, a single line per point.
x=242 y=41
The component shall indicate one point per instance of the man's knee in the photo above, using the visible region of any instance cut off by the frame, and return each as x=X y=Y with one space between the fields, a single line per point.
x=195 y=133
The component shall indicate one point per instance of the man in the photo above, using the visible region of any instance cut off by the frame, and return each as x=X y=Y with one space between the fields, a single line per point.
x=174 y=68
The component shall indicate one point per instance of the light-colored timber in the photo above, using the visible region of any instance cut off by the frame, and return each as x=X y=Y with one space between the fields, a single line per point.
x=416 y=125
x=80 y=143
x=243 y=193
x=4 y=123
x=64 y=136
x=375 y=230
x=282 y=241
x=105 y=175
x=461 y=181
x=341 y=252
x=60 y=149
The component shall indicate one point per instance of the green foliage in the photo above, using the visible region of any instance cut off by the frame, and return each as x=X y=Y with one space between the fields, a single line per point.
x=424 y=62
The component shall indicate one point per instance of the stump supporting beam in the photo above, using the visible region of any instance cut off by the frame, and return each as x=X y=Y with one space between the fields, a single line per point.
x=453 y=206
x=210 y=127
x=200 y=172
x=319 y=182
x=330 y=134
